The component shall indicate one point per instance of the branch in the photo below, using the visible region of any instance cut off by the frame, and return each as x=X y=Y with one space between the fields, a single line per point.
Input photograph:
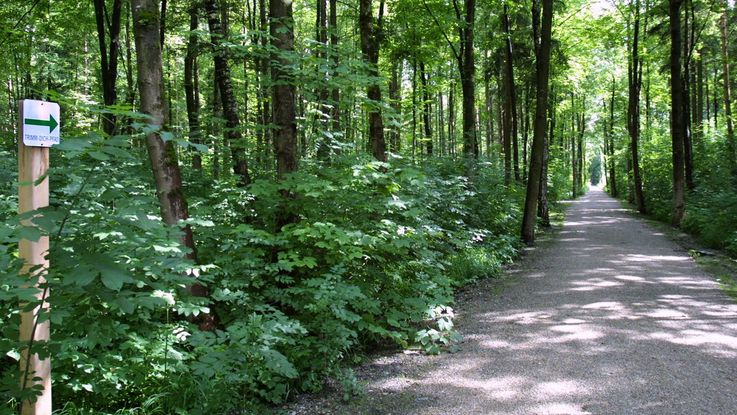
x=455 y=52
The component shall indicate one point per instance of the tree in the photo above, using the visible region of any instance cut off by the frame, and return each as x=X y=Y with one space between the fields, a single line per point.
x=542 y=70
x=233 y=135
x=510 y=105
x=634 y=77
x=467 y=67
x=162 y=154
x=371 y=36
x=677 y=123
x=191 y=86
x=281 y=29
x=108 y=23
x=731 y=144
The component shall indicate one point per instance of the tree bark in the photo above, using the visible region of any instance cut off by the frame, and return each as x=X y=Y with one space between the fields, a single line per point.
x=677 y=125
x=281 y=29
x=688 y=25
x=468 y=85
x=543 y=211
x=395 y=96
x=108 y=63
x=510 y=105
x=335 y=92
x=426 y=109
x=610 y=132
x=542 y=70
x=370 y=42
x=633 y=109
x=233 y=137
x=162 y=155
x=731 y=144
x=193 y=110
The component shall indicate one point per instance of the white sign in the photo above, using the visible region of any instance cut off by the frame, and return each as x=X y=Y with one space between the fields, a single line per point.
x=40 y=123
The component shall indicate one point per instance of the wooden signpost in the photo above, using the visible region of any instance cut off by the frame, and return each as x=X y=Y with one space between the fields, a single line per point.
x=38 y=130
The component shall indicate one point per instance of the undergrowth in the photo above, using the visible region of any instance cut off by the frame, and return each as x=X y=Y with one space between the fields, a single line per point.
x=372 y=255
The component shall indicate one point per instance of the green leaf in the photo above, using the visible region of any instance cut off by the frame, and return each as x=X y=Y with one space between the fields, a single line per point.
x=113 y=275
x=278 y=363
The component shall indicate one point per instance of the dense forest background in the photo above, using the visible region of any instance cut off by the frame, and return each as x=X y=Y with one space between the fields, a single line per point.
x=251 y=195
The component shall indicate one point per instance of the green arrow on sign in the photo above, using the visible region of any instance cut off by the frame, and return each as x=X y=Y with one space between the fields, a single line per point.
x=51 y=123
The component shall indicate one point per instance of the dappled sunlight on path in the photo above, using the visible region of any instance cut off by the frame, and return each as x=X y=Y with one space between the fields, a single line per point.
x=612 y=318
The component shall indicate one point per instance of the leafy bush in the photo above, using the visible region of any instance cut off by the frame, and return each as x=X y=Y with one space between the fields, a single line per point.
x=371 y=253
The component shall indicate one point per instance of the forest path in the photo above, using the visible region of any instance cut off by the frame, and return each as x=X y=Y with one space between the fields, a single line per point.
x=609 y=318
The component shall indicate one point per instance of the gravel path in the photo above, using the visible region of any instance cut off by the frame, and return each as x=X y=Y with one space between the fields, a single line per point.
x=610 y=318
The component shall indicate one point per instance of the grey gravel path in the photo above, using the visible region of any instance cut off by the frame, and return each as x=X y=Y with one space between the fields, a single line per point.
x=611 y=318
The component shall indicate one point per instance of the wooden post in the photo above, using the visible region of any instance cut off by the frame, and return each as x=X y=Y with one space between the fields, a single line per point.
x=33 y=164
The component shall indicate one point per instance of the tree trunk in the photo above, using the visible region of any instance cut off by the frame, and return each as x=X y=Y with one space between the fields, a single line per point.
x=162 y=155
x=334 y=91
x=468 y=85
x=233 y=137
x=574 y=165
x=193 y=110
x=395 y=96
x=677 y=126
x=610 y=128
x=281 y=29
x=731 y=144
x=699 y=130
x=510 y=97
x=441 y=123
x=426 y=109
x=542 y=70
x=451 y=119
x=108 y=63
x=488 y=109
x=633 y=109
x=543 y=212
x=526 y=131
x=370 y=42
x=686 y=78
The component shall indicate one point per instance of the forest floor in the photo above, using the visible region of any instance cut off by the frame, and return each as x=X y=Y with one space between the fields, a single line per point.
x=609 y=317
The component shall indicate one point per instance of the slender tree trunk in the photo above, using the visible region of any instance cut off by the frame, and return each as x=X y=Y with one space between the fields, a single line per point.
x=526 y=131
x=574 y=158
x=281 y=29
x=731 y=144
x=610 y=128
x=162 y=155
x=685 y=79
x=488 y=109
x=699 y=130
x=233 y=136
x=677 y=126
x=108 y=63
x=468 y=85
x=714 y=98
x=334 y=90
x=543 y=212
x=130 y=93
x=414 y=110
x=542 y=70
x=190 y=61
x=370 y=42
x=633 y=110
x=511 y=159
x=441 y=123
x=426 y=109
x=395 y=96
x=451 y=119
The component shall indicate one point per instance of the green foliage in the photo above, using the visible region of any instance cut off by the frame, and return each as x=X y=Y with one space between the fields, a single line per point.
x=372 y=255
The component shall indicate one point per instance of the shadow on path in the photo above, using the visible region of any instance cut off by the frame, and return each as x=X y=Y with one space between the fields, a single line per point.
x=611 y=318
